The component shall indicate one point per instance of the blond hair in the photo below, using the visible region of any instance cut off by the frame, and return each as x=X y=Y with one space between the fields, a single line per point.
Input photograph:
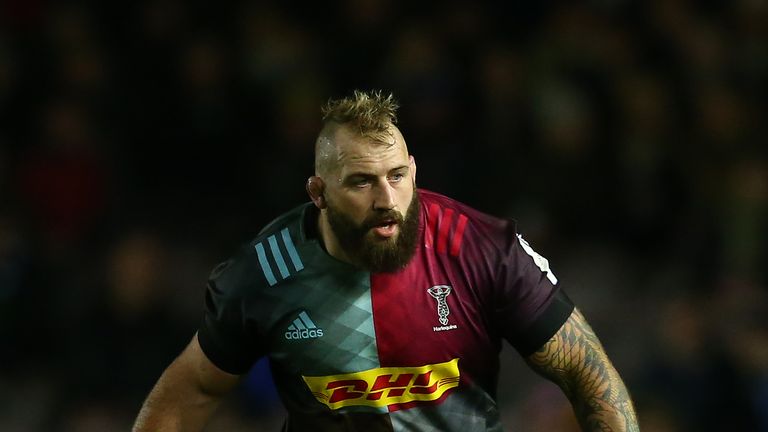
x=369 y=113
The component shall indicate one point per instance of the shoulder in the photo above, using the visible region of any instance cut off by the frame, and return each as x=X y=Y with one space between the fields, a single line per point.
x=268 y=259
x=456 y=223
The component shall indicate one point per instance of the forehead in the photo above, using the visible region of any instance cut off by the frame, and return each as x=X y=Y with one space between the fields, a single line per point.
x=357 y=153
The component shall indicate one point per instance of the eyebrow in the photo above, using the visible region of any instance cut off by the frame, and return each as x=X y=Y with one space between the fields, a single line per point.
x=366 y=175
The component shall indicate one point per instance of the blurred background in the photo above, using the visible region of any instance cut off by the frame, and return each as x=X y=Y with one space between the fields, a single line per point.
x=142 y=144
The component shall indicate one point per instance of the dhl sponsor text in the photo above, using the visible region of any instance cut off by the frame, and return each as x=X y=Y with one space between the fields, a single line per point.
x=382 y=387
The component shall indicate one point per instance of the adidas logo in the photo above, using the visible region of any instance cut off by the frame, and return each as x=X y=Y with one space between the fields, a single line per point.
x=303 y=328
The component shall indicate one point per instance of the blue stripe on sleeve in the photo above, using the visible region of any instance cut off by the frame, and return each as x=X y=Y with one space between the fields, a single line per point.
x=265 y=264
x=278 y=257
x=295 y=259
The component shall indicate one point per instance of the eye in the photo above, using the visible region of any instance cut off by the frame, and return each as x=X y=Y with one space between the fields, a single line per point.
x=396 y=177
x=361 y=183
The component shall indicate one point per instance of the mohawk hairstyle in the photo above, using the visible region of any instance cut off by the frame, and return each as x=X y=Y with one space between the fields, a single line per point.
x=370 y=113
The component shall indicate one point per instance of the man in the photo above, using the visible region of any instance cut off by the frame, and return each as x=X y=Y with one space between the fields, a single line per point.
x=382 y=307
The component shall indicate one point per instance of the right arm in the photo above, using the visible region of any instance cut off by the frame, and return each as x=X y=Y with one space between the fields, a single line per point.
x=186 y=394
x=575 y=360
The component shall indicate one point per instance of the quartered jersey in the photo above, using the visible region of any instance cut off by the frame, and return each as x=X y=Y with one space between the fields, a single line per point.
x=413 y=350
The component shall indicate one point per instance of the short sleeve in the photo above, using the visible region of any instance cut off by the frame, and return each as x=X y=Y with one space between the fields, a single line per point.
x=225 y=335
x=530 y=306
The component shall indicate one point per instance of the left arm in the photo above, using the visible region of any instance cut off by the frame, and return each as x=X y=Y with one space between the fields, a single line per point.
x=575 y=360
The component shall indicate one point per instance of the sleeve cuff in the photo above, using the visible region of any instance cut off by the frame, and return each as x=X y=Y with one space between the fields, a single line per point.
x=545 y=326
x=229 y=364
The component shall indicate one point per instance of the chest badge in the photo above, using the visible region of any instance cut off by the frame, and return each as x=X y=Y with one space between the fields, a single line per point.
x=440 y=292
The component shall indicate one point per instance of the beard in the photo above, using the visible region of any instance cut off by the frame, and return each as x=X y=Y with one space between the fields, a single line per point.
x=374 y=254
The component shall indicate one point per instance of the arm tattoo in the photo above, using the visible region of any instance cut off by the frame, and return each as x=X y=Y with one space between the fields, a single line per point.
x=575 y=360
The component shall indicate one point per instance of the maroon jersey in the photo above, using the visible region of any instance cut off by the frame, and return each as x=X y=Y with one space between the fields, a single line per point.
x=412 y=350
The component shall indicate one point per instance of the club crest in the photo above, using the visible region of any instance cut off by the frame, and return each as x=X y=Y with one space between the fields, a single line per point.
x=440 y=293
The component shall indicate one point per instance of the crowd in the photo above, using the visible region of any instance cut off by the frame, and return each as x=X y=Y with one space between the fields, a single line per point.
x=142 y=143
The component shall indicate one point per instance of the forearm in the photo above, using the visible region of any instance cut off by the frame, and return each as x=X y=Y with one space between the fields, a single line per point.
x=175 y=405
x=575 y=360
x=607 y=407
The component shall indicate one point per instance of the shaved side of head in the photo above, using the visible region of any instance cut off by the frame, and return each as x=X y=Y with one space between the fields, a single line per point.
x=326 y=153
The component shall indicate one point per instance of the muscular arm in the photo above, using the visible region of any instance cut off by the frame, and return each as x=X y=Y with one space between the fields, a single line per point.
x=575 y=360
x=186 y=394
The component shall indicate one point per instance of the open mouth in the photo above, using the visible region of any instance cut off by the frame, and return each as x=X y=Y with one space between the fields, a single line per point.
x=386 y=228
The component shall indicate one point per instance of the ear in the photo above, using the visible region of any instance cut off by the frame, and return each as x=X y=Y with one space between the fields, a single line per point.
x=413 y=168
x=315 y=190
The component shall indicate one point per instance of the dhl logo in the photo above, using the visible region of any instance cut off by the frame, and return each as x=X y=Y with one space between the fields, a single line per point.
x=381 y=387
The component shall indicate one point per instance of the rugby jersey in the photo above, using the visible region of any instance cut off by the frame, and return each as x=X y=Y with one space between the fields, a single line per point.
x=413 y=350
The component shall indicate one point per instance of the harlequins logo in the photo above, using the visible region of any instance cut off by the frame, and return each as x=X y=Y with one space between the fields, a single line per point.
x=440 y=292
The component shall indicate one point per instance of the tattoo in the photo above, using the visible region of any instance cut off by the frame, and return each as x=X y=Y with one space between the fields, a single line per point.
x=575 y=360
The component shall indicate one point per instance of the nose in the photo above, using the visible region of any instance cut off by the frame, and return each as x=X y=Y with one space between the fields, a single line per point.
x=385 y=197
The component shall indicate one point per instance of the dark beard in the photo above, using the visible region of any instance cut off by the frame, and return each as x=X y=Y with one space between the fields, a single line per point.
x=375 y=255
